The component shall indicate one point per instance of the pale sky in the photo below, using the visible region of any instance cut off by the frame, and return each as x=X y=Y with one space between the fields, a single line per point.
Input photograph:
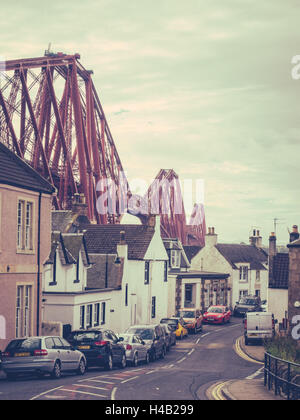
x=203 y=87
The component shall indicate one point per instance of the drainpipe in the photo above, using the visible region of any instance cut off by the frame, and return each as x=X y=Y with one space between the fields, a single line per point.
x=39 y=267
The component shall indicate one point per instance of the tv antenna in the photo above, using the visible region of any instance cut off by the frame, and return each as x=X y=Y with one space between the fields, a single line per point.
x=277 y=222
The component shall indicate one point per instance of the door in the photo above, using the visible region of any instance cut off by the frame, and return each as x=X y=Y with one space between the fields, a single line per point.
x=141 y=348
x=116 y=348
x=61 y=353
x=72 y=357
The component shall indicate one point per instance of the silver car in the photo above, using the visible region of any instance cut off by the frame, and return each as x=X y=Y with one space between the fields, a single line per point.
x=42 y=355
x=136 y=349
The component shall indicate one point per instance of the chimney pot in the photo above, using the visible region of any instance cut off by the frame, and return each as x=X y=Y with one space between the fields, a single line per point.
x=294 y=235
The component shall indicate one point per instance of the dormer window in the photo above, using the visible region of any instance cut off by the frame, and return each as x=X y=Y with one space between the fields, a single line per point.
x=244 y=273
x=175 y=258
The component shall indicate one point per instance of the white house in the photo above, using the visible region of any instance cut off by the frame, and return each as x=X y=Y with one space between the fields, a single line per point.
x=67 y=299
x=245 y=264
x=143 y=294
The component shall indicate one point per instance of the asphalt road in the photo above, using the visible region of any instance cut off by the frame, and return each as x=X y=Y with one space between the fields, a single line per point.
x=188 y=370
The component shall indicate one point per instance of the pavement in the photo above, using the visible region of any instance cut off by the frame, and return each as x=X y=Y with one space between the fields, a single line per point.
x=248 y=389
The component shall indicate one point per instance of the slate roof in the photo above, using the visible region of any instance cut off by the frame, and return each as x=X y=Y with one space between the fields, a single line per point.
x=16 y=172
x=239 y=253
x=67 y=221
x=191 y=251
x=69 y=246
x=97 y=274
x=279 y=271
x=103 y=239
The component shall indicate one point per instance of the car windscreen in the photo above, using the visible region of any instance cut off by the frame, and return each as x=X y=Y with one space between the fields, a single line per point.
x=126 y=338
x=85 y=336
x=144 y=333
x=215 y=310
x=169 y=321
x=247 y=301
x=186 y=314
x=24 y=344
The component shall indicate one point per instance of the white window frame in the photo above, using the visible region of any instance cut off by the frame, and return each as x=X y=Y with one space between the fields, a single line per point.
x=175 y=258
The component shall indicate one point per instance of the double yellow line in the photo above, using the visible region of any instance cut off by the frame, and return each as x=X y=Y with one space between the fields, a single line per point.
x=216 y=392
x=242 y=354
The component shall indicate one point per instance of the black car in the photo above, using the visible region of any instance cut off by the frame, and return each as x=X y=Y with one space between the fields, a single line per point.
x=153 y=336
x=100 y=347
x=247 y=304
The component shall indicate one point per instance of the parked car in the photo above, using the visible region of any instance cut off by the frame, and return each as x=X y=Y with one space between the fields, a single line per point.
x=101 y=347
x=258 y=326
x=170 y=336
x=177 y=324
x=42 y=355
x=247 y=304
x=217 y=314
x=136 y=349
x=193 y=319
x=153 y=336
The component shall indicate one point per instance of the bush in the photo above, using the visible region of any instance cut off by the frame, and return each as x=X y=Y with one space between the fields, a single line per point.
x=284 y=348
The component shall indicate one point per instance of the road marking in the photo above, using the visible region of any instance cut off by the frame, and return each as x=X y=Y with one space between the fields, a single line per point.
x=197 y=342
x=190 y=352
x=243 y=355
x=44 y=393
x=97 y=380
x=130 y=379
x=217 y=392
x=151 y=371
x=181 y=360
x=91 y=386
x=255 y=374
x=113 y=394
x=82 y=392
x=204 y=335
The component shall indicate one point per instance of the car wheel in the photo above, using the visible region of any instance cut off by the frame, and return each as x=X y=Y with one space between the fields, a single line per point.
x=81 y=367
x=11 y=376
x=123 y=363
x=109 y=363
x=181 y=336
x=56 y=372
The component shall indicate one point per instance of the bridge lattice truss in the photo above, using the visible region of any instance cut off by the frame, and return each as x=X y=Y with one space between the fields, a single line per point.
x=52 y=117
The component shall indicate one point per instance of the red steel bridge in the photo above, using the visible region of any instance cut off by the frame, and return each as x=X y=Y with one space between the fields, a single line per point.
x=52 y=117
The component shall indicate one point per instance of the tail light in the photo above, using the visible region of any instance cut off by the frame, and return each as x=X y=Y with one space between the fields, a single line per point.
x=40 y=353
x=101 y=343
x=245 y=323
x=6 y=354
x=128 y=347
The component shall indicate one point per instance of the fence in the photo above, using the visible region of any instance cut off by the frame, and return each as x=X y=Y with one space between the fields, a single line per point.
x=282 y=376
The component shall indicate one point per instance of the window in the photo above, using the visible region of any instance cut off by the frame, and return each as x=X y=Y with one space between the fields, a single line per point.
x=126 y=295
x=96 y=314
x=82 y=312
x=24 y=311
x=243 y=273
x=103 y=310
x=166 y=267
x=54 y=268
x=257 y=276
x=188 y=296
x=175 y=258
x=147 y=272
x=77 y=270
x=25 y=226
x=153 y=309
x=89 y=315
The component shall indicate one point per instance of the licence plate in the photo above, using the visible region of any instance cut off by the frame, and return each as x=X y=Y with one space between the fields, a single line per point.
x=211 y=319
x=22 y=354
x=84 y=347
x=253 y=335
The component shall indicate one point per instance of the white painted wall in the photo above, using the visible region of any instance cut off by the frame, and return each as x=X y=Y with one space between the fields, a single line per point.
x=278 y=303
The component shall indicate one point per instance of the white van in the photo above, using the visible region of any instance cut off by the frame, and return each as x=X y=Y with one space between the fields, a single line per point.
x=259 y=325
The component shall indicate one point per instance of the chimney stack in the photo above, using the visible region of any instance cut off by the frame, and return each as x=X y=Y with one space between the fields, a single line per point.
x=79 y=206
x=294 y=235
x=256 y=239
x=272 y=245
x=211 y=238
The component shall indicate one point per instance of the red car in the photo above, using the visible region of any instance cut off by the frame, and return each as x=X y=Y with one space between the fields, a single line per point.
x=217 y=315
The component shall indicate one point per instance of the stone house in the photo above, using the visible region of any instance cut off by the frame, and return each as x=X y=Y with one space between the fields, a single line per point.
x=25 y=238
x=246 y=266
